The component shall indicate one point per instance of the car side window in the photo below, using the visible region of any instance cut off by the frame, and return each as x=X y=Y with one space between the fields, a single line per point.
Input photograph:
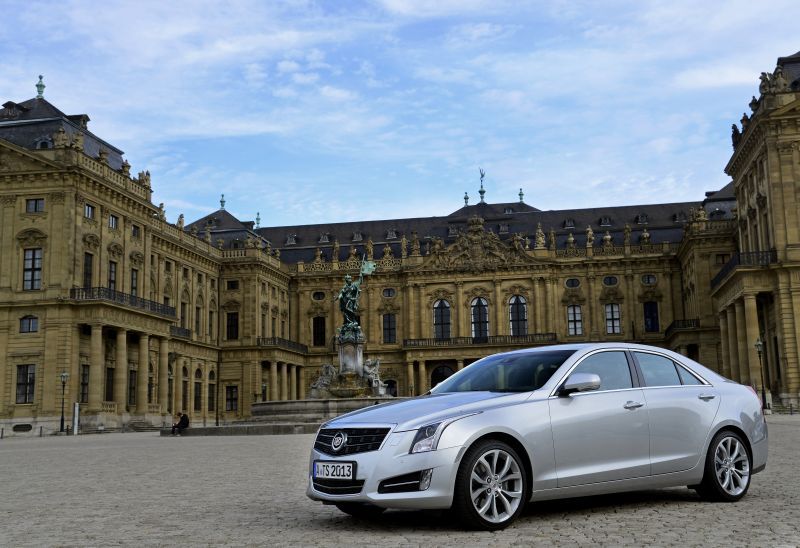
x=657 y=370
x=611 y=367
x=688 y=378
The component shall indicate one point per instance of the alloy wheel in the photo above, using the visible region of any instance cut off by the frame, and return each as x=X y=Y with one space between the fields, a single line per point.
x=496 y=485
x=731 y=466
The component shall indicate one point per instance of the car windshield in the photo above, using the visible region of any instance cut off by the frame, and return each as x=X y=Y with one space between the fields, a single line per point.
x=506 y=373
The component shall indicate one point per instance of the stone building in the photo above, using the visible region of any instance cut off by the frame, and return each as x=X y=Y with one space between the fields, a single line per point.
x=104 y=301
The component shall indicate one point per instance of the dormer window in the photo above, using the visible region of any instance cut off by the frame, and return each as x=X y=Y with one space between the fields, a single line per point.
x=605 y=221
x=291 y=239
x=569 y=223
x=452 y=231
x=357 y=237
x=503 y=228
x=679 y=217
x=641 y=219
x=323 y=238
x=391 y=234
x=508 y=210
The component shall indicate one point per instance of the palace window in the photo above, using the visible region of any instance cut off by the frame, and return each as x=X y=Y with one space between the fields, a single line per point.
x=503 y=228
x=232 y=285
x=112 y=275
x=318 y=295
x=291 y=239
x=613 y=324
x=134 y=282
x=518 y=312
x=211 y=324
x=574 y=320
x=88 y=265
x=605 y=221
x=212 y=392
x=641 y=219
x=26 y=380
x=480 y=318
x=183 y=315
x=109 y=394
x=610 y=281
x=389 y=292
x=232 y=326
x=198 y=390
x=150 y=384
x=185 y=389
x=569 y=223
x=324 y=238
x=651 y=317
x=318 y=328
x=232 y=398
x=34 y=205
x=649 y=279
x=389 y=328
x=572 y=283
x=136 y=231
x=32 y=269
x=28 y=324
x=84 y=394
x=391 y=234
x=88 y=211
x=113 y=222
x=197 y=316
x=441 y=319
x=357 y=237
x=167 y=266
x=131 y=387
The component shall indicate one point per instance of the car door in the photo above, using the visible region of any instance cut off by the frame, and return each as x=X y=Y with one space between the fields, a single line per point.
x=601 y=435
x=681 y=407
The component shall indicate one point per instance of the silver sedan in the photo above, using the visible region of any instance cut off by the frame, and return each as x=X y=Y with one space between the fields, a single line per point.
x=545 y=423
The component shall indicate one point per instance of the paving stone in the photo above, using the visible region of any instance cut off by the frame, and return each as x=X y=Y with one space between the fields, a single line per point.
x=139 y=489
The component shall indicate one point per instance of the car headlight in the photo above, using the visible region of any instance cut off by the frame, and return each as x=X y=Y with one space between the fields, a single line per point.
x=427 y=437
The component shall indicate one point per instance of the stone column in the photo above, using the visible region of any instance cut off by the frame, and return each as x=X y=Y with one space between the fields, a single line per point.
x=96 y=370
x=500 y=326
x=142 y=375
x=751 y=328
x=284 y=383
x=163 y=374
x=460 y=317
x=301 y=382
x=177 y=388
x=741 y=339
x=536 y=307
x=423 y=377
x=121 y=371
x=733 y=348
x=724 y=347
x=273 y=381
x=292 y=382
x=410 y=378
x=459 y=365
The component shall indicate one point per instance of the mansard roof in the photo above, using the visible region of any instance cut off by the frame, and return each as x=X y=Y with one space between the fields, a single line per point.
x=791 y=69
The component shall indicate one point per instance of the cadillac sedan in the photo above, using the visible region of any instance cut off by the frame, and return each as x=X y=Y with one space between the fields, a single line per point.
x=545 y=423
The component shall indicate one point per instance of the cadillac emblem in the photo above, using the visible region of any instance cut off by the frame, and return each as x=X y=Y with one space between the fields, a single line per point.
x=339 y=441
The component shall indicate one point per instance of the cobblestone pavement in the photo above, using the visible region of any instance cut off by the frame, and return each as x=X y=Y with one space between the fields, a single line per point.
x=145 y=490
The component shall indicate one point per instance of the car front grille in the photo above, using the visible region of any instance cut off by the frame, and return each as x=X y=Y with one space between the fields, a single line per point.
x=338 y=486
x=359 y=440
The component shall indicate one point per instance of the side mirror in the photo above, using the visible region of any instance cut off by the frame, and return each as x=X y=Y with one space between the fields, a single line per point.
x=580 y=382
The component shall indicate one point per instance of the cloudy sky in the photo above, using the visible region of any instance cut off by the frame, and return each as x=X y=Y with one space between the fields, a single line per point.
x=331 y=111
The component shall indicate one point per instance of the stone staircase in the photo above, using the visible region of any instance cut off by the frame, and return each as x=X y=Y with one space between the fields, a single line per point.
x=780 y=409
x=142 y=426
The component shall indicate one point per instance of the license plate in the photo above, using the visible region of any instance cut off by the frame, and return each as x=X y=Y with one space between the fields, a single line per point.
x=334 y=470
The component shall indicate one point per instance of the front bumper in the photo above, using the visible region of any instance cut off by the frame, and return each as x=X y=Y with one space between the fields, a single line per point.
x=393 y=459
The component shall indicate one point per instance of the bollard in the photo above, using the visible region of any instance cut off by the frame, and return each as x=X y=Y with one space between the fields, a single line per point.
x=791 y=411
x=2 y=431
x=41 y=431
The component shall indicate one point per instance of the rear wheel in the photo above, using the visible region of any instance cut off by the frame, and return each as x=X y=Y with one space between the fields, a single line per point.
x=360 y=509
x=727 y=472
x=491 y=486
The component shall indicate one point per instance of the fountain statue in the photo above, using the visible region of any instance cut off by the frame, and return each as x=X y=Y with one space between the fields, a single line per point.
x=355 y=376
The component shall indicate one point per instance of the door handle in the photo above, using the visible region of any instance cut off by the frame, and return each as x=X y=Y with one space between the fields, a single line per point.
x=633 y=405
x=706 y=397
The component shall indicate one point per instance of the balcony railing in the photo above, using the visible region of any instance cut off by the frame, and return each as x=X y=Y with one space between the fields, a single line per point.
x=751 y=258
x=682 y=325
x=109 y=295
x=532 y=338
x=178 y=331
x=282 y=343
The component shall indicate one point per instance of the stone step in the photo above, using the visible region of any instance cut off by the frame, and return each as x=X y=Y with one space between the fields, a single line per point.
x=285 y=418
x=248 y=429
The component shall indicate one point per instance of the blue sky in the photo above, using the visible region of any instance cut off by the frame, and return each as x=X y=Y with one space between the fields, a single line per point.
x=313 y=112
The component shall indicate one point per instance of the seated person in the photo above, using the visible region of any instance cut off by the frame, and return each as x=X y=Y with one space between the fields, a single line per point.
x=181 y=425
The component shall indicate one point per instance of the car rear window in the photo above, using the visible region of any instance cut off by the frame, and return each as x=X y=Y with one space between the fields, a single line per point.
x=657 y=370
x=507 y=373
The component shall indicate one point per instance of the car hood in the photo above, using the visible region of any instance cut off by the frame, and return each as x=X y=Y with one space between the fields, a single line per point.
x=413 y=413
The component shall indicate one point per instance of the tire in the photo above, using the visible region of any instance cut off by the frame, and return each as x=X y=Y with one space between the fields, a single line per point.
x=491 y=486
x=361 y=510
x=727 y=471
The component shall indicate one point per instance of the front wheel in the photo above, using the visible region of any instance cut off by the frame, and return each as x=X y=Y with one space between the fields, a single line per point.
x=360 y=509
x=491 y=486
x=727 y=472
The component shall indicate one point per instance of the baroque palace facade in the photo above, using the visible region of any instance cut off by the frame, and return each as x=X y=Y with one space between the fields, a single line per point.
x=105 y=303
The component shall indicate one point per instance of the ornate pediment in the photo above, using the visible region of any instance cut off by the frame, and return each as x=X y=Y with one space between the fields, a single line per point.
x=137 y=258
x=13 y=160
x=650 y=294
x=611 y=295
x=517 y=290
x=115 y=250
x=573 y=295
x=440 y=294
x=477 y=250
x=231 y=305
x=388 y=306
x=316 y=309
x=474 y=293
x=31 y=237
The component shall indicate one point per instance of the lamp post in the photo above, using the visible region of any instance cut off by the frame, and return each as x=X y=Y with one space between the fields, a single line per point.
x=760 y=349
x=64 y=376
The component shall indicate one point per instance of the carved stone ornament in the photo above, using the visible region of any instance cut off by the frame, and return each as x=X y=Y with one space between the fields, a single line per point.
x=137 y=258
x=520 y=290
x=115 y=250
x=611 y=295
x=31 y=238
x=388 y=306
x=274 y=310
x=316 y=309
x=440 y=295
x=231 y=305
x=573 y=295
x=8 y=199
x=56 y=197
x=650 y=294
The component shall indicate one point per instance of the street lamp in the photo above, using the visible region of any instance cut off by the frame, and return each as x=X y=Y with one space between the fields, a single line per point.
x=64 y=376
x=760 y=349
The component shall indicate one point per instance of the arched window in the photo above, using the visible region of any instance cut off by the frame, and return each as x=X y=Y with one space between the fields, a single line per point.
x=212 y=392
x=318 y=331
x=440 y=373
x=518 y=311
x=480 y=318
x=441 y=319
x=185 y=390
x=150 y=383
x=28 y=324
x=391 y=387
x=198 y=390
x=170 y=388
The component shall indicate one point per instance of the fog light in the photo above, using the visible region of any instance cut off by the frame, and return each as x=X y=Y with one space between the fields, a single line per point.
x=425 y=479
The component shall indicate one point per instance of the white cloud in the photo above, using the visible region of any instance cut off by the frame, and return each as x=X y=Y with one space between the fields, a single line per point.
x=286 y=65
x=304 y=78
x=336 y=94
